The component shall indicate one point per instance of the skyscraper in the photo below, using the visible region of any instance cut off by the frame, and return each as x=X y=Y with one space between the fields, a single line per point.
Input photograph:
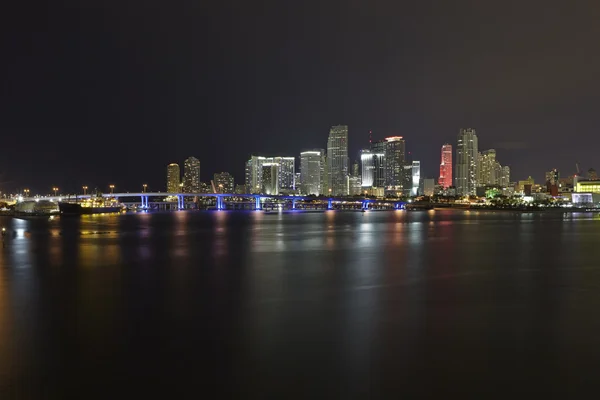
x=445 y=180
x=337 y=159
x=173 y=178
x=487 y=168
x=224 y=182
x=310 y=172
x=191 y=175
x=395 y=158
x=287 y=173
x=270 y=178
x=466 y=162
x=416 y=177
x=368 y=168
x=379 y=150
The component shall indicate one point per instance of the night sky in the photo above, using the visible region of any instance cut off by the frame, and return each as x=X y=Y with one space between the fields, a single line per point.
x=111 y=94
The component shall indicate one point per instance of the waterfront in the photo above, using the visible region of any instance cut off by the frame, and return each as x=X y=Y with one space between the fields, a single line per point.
x=333 y=304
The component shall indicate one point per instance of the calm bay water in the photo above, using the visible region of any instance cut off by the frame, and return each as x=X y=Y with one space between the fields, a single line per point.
x=300 y=305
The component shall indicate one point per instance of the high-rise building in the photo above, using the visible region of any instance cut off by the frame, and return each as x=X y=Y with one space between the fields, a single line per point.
x=173 y=178
x=337 y=159
x=552 y=177
x=191 y=175
x=310 y=172
x=407 y=180
x=325 y=189
x=270 y=178
x=395 y=158
x=445 y=180
x=286 y=173
x=466 y=162
x=416 y=177
x=487 y=168
x=428 y=187
x=592 y=175
x=505 y=181
x=367 y=168
x=379 y=151
x=224 y=182
x=355 y=169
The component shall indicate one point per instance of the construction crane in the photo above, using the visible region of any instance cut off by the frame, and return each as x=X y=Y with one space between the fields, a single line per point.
x=577 y=167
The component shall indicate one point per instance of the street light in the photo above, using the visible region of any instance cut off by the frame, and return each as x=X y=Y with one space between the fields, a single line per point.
x=85 y=190
x=144 y=186
x=55 y=189
x=26 y=191
x=112 y=188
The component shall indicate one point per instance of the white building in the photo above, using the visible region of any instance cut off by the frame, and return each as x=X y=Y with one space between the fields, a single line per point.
x=310 y=172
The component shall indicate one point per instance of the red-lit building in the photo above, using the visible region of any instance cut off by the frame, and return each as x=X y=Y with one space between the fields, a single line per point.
x=445 y=180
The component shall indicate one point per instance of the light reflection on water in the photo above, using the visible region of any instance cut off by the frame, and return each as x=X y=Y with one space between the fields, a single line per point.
x=362 y=297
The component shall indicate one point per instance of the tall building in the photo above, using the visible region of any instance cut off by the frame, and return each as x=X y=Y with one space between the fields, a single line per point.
x=552 y=177
x=224 y=182
x=367 y=162
x=355 y=169
x=407 y=180
x=445 y=180
x=191 y=175
x=173 y=178
x=337 y=159
x=270 y=178
x=505 y=181
x=324 y=175
x=487 y=168
x=416 y=177
x=466 y=162
x=592 y=175
x=310 y=172
x=395 y=158
x=286 y=173
x=379 y=151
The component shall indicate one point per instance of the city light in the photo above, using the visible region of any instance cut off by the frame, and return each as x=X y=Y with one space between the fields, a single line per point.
x=85 y=188
x=112 y=188
x=55 y=190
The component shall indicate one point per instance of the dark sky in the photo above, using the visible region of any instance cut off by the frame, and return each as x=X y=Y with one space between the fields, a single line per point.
x=112 y=94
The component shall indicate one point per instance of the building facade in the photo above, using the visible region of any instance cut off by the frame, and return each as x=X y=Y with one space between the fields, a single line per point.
x=286 y=173
x=445 y=180
x=466 y=163
x=173 y=178
x=191 y=175
x=310 y=172
x=337 y=159
x=395 y=159
x=487 y=168
x=416 y=178
x=270 y=178
x=224 y=182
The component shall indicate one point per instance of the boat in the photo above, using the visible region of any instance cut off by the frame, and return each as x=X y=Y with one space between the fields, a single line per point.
x=92 y=206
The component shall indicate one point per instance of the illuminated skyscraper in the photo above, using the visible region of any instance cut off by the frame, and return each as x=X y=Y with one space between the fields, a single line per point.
x=445 y=180
x=337 y=159
x=310 y=172
x=191 y=175
x=173 y=178
x=488 y=168
x=379 y=151
x=466 y=162
x=395 y=158
x=224 y=182
x=270 y=178
x=416 y=177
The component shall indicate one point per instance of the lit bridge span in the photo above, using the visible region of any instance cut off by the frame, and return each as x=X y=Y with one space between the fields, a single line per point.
x=222 y=199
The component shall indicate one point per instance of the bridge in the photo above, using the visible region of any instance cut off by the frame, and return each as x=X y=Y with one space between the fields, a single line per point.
x=142 y=200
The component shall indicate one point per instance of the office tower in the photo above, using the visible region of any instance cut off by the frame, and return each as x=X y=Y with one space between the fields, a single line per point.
x=173 y=178
x=487 y=168
x=310 y=172
x=445 y=180
x=367 y=162
x=248 y=176
x=191 y=175
x=379 y=151
x=466 y=162
x=337 y=159
x=354 y=184
x=592 y=175
x=395 y=158
x=224 y=182
x=416 y=177
x=270 y=178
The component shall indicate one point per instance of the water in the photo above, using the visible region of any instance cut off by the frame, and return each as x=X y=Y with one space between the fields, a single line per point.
x=340 y=305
